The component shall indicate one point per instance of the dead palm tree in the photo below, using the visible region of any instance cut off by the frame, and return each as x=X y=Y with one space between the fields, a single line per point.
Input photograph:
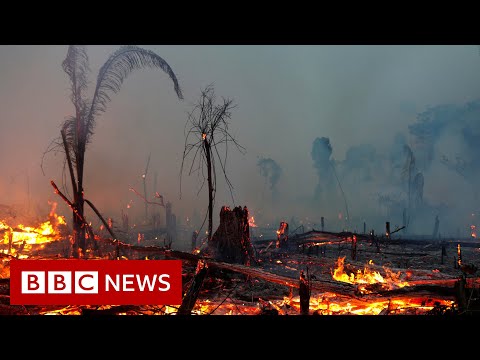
x=77 y=130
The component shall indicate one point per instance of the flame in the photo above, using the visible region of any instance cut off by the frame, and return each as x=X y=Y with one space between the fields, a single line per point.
x=474 y=231
x=459 y=254
x=21 y=238
x=367 y=276
x=251 y=222
x=204 y=136
x=331 y=304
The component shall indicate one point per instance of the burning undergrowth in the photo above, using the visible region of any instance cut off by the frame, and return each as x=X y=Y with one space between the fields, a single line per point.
x=367 y=276
x=268 y=286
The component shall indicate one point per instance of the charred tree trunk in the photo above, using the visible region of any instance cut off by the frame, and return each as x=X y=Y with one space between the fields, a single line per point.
x=78 y=226
x=191 y=295
x=231 y=241
x=210 y=189
x=304 y=293
x=77 y=223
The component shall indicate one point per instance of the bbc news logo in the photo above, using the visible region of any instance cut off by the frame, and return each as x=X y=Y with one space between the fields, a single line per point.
x=95 y=282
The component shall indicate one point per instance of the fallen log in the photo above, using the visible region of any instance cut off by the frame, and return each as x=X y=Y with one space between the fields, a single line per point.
x=190 y=298
x=340 y=288
x=436 y=291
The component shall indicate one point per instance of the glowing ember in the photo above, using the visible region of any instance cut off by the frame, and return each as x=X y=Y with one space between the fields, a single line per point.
x=367 y=276
x=459 y=254
x=331 y=304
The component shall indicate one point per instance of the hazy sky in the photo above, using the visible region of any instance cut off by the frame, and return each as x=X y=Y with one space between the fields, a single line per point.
x=286 y=97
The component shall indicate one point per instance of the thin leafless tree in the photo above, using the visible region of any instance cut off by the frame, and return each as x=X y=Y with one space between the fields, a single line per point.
x=206 y=130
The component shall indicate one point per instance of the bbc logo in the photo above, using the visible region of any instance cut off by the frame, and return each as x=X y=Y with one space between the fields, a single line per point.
x=60 y=282
x=99 y=282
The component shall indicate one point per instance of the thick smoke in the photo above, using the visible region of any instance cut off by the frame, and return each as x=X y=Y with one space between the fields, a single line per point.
x=361 y=163
x=271 y=171
x=362 y=99
x=321 y=153
x=427 y=178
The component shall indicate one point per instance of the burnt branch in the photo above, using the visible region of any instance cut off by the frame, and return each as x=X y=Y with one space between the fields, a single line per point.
x=74 y=209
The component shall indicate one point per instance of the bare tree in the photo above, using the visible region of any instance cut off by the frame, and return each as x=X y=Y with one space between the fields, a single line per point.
x=206 y=129
x=77 y=130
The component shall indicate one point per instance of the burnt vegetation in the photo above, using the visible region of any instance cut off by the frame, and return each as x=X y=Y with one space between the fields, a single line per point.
x=382 y=262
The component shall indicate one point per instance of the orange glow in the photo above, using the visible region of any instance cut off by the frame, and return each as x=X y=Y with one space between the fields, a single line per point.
x=18 y=240
x=367 y=276
x=204 y=136
x=42 y=233
x=251 y=222
x=459 y=254
x=331 y=304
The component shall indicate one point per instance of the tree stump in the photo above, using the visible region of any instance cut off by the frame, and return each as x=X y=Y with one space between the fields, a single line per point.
x=231 y=241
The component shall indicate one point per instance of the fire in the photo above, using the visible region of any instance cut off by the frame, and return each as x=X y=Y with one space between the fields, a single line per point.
x=251 y=222
x=331 y=304
x=367 y=276
x=25 y=236
x=474 y=231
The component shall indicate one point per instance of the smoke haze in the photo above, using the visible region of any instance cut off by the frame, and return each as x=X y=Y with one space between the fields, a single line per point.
x=368 y=101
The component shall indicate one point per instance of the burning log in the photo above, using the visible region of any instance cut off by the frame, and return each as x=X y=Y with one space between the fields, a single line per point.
x=459 y=253
x=354 y=247
x=231 y=240
x=188 y=301
x=282 y=234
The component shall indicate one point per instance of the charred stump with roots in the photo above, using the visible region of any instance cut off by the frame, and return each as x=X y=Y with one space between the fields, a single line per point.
x=231 y=241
